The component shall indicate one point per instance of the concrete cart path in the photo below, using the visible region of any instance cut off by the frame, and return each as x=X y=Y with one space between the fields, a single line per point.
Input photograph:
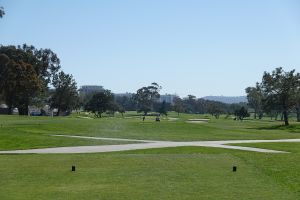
x=147 y=144
x=104 y=138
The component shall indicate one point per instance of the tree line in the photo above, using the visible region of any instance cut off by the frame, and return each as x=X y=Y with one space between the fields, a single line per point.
x=31 y=76
x=146 y=101
x=277 y=94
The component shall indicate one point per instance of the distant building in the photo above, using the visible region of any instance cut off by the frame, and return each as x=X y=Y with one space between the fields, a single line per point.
x=90 y=89
x=129 y=95
x=168 y=98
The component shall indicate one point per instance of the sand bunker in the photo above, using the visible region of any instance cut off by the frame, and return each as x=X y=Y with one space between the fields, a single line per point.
x=197 y=121
x=172 y=119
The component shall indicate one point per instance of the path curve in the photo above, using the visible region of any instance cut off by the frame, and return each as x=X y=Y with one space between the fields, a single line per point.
x=146 y=144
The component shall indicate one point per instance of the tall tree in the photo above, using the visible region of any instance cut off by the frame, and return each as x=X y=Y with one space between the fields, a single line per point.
x=100 y=103
x=44 y=61
x=18 y=83
x=146 y=96
x=44 y=65
x=65 y=96
x=282 y=87
x=255 y=98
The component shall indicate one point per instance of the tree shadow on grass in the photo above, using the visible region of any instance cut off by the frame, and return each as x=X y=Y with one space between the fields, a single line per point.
x=294 y=128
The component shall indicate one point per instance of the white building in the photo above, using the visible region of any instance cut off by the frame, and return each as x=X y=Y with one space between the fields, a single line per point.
x=168 y=98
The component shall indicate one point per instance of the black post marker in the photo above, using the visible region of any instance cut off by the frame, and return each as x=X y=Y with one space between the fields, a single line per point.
x=234 y=168
x=73 y=168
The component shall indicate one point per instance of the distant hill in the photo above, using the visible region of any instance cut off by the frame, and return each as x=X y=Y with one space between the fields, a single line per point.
x=227 y=99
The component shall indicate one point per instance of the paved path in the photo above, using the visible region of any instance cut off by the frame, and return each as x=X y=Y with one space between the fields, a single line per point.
x=146 y=144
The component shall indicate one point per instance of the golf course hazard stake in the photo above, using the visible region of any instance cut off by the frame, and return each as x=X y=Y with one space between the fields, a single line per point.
x=234 y=168
x=73 y=168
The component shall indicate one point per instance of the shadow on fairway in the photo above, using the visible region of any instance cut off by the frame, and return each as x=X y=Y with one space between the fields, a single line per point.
x=291 y=128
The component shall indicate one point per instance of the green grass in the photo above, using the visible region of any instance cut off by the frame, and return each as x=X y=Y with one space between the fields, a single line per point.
x=167 y=173
x=281 y=146
x=283 y=168
x=170 y=173
x=33 y=132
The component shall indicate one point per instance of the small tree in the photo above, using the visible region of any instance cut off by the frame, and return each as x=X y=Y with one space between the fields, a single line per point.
x=65 y=96
x=255 y=98
x=178 y=105
x=242 y=113
x=121 y=110
x=113 y=107
x=214 y=108
x=146 y=96
x=126 y=102
x=163 y=110
x=100 y=103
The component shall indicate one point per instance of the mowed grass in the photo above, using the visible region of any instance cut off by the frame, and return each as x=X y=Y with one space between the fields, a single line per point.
x=167 y=173
x=35 y=132
x=23 y=132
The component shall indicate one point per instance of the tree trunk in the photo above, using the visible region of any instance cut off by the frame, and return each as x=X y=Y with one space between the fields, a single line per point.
x=260 y=115
x=58 y=111
x=254 y=114
x=286 y=119
x=23 y=110
x=298 y=114
x=9 y=109
x=276 y=116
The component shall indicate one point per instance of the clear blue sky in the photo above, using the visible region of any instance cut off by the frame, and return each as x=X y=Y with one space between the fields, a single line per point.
x=211 y=47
